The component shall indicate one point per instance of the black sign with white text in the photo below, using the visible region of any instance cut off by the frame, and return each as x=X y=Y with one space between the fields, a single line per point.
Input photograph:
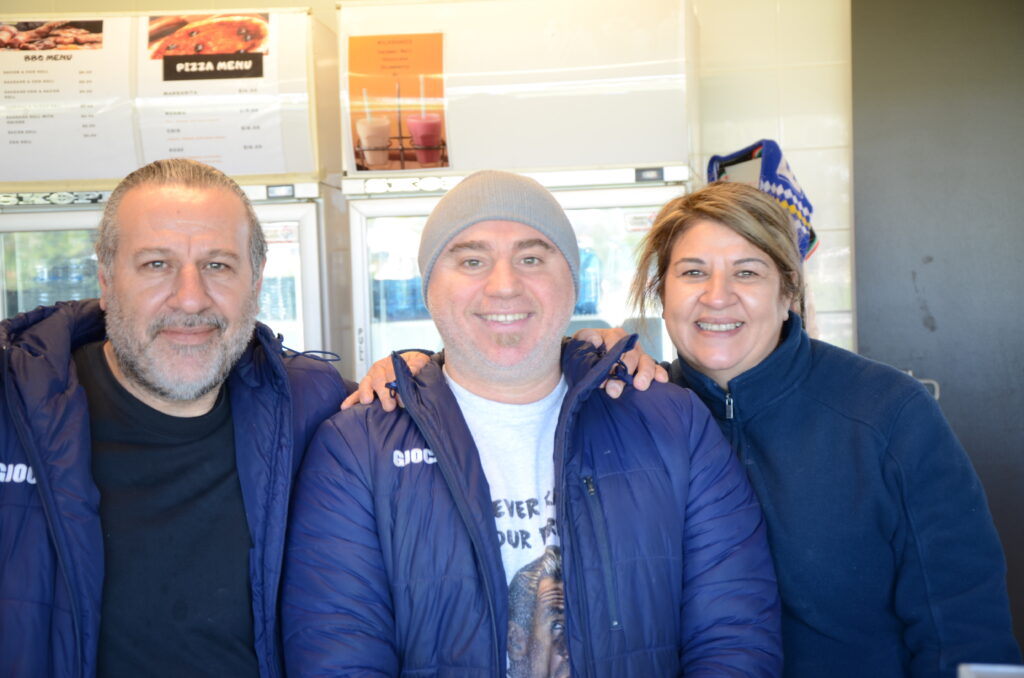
x=213 y=66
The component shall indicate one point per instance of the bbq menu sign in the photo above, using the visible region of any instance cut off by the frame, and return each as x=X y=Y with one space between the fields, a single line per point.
x=92 y=99
x=65 y=99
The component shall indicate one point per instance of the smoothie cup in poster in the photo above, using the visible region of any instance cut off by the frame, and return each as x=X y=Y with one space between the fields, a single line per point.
x=426 y=130
x=374 y=138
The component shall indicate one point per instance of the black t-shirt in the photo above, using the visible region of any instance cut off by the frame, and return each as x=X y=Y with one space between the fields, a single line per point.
x=176 y=590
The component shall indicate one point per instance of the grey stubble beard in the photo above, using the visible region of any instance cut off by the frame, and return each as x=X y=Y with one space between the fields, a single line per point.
x=142 y=363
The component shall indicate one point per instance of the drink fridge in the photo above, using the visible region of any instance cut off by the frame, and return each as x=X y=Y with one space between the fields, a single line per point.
x=388 y=306
x=46 y=255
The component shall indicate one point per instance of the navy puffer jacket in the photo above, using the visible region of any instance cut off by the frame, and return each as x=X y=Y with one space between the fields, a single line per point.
x=889 y=564
x=51 y=545
x=394 y=569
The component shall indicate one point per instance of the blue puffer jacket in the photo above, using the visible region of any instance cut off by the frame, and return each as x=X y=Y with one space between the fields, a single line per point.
x=395 y=568
x=51 y=546
x=888 y=562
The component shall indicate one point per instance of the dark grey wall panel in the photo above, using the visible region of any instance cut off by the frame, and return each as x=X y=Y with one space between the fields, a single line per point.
x=938 y=168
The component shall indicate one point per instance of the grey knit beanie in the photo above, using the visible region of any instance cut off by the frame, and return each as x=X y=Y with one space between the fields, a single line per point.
x=491 y=195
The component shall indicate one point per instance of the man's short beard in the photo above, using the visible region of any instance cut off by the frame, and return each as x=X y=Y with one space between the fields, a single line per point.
x=149 y=366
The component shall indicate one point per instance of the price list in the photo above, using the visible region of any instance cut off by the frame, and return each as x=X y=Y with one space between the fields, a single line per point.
x=65 y=104
x=200 y=96
x=239 y=134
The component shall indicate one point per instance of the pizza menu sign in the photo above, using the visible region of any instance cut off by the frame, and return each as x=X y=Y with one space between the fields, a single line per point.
x=227 y=89
x=95 y=98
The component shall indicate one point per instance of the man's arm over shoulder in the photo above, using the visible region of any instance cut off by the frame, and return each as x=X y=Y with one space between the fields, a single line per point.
x=951 y=582
x=731 y=615
x=337 y=613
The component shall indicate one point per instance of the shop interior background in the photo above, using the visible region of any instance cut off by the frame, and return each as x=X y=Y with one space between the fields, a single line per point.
x=791 y=70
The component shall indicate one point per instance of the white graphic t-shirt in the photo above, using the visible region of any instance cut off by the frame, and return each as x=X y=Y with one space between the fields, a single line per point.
x=516 y=445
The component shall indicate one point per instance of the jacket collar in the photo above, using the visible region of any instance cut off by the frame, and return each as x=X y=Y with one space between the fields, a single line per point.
x=435 y=411
x=252 y=364
x=57 y=329
x=773 y=377
x=40 y=342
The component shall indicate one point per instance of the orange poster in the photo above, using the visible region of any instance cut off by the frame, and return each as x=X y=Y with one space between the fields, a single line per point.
x=396 y=90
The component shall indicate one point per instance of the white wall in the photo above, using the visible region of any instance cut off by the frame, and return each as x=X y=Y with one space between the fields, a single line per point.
x=780 y=69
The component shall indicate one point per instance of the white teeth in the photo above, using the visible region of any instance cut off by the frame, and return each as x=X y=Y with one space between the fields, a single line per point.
x=504 y=317
x=719 y=327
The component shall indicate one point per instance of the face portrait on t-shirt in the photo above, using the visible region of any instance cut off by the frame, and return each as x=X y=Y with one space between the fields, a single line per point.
x=536 y=632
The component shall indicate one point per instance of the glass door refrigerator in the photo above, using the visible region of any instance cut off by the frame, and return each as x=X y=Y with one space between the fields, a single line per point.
x=388 y=307
x=46 y=255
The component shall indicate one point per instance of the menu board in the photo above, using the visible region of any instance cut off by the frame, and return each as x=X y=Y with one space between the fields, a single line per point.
x=92 y=99
x=224 y=89
x=65 y=99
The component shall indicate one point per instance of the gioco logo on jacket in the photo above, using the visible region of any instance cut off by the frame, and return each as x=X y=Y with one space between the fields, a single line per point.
x=413 y=456
x=17 y=473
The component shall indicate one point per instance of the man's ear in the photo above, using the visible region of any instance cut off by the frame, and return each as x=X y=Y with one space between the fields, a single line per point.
x=101 y=275
x=258 y=287
x=518 y=642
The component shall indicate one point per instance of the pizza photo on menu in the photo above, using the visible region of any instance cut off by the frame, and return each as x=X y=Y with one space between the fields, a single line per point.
x=200 y=35
x=46 y=35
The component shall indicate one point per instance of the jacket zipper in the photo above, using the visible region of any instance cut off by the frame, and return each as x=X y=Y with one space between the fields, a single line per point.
x=581 y=594
x=45 y=497
x=463 y=510
x=732 y=430
x=600 y=529
x=563 y=515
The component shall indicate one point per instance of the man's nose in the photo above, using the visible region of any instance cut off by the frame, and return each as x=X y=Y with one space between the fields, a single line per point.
x=503 y=280
x=190 y=293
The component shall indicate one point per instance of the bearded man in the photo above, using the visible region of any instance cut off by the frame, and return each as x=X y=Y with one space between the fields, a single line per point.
x=149 y=441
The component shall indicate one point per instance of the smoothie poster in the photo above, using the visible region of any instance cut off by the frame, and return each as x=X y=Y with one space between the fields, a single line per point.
x=397 y=104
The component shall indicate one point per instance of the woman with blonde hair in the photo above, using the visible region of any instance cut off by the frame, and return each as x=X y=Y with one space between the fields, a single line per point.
x=887 y=557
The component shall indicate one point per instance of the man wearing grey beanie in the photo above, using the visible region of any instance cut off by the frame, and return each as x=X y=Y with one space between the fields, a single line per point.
x=500 y=321
x=512 y=519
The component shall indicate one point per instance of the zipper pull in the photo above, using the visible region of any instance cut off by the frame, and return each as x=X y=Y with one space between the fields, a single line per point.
x=728 y=406
x=589 y=482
